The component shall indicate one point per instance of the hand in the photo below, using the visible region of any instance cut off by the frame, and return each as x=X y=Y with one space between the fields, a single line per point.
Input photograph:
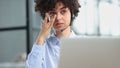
x=46 y=28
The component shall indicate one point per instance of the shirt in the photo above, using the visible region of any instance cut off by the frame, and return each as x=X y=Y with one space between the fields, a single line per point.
x=46 y=56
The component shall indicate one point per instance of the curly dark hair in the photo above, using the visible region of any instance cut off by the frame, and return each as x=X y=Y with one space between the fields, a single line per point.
x=44 y=6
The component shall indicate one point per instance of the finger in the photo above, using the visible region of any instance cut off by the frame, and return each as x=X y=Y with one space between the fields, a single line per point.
x=52 y=21
x=46 y=18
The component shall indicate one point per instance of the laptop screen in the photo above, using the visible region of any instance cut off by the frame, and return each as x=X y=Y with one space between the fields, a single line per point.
x=90 y=53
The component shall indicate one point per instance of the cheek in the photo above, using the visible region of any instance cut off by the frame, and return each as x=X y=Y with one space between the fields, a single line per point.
x=68 y=18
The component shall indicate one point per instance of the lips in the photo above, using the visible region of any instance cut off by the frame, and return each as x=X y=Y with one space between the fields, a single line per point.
x=58 y=24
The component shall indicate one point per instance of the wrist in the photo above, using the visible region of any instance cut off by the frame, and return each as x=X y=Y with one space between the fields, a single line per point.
x=40 y=40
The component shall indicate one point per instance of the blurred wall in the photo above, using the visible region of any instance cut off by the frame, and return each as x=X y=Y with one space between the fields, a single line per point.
x=12 y=42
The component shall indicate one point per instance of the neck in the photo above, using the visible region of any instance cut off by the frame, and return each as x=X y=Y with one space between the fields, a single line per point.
x=64 y=33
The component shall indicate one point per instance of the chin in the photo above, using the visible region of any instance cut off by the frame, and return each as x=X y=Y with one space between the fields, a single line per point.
x=58 y=29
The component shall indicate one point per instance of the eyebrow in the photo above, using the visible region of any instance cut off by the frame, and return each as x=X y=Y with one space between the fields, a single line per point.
x=63 y=8
x=60 y=8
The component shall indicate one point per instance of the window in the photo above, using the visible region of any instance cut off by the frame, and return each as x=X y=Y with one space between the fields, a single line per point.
x=13 y=33
x=98 y=17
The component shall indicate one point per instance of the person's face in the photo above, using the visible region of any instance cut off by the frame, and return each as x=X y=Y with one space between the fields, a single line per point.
x=63 y=16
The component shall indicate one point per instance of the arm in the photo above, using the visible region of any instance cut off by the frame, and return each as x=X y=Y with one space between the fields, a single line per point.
x=36 y=57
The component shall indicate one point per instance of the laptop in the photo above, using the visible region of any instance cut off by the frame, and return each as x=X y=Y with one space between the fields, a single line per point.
x=90 y=52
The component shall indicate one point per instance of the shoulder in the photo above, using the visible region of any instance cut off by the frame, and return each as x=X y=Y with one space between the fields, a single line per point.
x=73 y=35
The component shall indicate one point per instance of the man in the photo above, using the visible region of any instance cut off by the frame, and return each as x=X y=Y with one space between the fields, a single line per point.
x=57 y=14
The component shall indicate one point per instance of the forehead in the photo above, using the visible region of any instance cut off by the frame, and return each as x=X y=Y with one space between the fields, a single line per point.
x=58 y=6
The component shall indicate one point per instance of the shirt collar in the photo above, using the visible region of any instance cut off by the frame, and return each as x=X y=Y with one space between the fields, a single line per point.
x=72 y=35
x=56 y=41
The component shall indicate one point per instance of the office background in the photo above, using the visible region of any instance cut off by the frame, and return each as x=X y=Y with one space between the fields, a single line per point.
x=20 y=25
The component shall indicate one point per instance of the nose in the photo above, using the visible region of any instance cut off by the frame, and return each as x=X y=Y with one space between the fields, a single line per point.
x=58 y=16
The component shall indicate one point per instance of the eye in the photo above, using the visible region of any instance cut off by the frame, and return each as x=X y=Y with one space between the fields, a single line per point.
x=63 y=11
x=52 y=14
